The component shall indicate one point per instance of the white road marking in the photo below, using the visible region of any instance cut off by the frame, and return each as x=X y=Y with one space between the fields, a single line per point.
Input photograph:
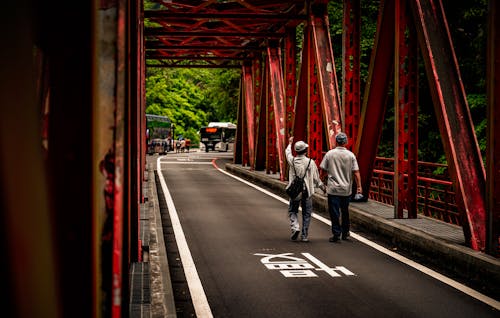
x=461 y=287
x=198 y=296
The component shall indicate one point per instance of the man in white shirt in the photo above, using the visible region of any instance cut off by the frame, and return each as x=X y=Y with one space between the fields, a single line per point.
x=340 y=164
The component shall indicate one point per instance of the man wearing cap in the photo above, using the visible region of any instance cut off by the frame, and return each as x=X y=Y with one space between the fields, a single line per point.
x=341 y=165
x=302 y=166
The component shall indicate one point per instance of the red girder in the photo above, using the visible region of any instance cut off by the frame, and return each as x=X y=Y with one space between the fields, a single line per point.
x=209 y=25
x=406 y=102
x=249 y=104
x=351 y=100
x=232 y=33
x=455 y=122
x=493 y=148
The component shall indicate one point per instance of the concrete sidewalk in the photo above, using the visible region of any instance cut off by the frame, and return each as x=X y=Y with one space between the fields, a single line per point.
x=438 y=244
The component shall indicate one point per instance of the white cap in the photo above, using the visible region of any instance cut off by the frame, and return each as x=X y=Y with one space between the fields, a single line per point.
x=301 y=146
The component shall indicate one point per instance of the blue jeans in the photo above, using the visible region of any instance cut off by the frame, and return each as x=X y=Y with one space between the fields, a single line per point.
x=339 y=206
x=293 y=210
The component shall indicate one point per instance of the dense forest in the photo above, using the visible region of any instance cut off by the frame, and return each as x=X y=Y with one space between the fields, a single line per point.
x=194 y=97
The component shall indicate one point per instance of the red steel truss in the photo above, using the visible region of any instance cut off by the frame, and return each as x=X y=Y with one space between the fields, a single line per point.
x=259 y=37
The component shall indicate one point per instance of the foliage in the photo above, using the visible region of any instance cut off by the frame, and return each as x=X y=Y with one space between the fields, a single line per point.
x=191 y=97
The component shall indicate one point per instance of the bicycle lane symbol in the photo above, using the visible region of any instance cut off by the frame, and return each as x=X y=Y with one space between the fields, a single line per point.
x=291 y=266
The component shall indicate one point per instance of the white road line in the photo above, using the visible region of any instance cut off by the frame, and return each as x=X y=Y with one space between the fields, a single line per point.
x=461 y=287
x=198 y=296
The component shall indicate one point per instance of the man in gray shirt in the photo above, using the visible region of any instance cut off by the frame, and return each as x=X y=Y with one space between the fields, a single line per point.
x=340 y=164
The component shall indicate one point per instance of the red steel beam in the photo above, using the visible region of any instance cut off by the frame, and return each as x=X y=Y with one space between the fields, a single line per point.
x=351 y=102
x=278 y=101
x=375 y=98
x=493 y=148
x=241 y=147
x=290 y=62
x=249 y=104
x=261 y=136
x=328 y=88
x=315 y=127
x=301 y=113
x=455 y=122
x=405 y=102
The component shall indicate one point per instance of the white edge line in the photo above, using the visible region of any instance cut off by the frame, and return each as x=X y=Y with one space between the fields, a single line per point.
x=461 y=287
x=198 y=296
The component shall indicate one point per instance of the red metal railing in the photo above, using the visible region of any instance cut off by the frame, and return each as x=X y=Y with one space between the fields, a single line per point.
x=436 y=197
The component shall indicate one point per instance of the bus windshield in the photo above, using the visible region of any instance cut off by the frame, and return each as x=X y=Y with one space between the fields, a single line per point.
x=218 y=137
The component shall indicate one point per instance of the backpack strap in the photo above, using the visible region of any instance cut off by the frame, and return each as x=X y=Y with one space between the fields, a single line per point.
x=305 y=172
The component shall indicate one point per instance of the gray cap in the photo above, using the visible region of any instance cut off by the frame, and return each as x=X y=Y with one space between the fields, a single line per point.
x=341 y=138
x=301 y=146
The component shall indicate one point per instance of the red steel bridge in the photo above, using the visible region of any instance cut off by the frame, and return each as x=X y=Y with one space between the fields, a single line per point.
x=73 y=96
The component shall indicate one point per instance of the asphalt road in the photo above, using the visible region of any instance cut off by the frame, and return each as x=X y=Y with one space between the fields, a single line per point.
x=245 y=265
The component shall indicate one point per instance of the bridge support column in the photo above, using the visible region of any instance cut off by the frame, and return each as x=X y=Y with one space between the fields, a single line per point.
x=406 y=105
x=351 y=69
x=493 y=149
x=325 y=68
x=375 y=95
x=276 y=133
x=248 y=115
x=454 y=118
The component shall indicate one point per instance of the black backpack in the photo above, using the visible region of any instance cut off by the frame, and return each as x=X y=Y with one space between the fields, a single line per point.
x=297 y=186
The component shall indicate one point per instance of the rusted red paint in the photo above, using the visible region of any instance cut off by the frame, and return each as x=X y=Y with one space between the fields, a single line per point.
x=249 y=104
x=290 y=62
x=406 y=104
x=375 y=95
x=351 y=90
x=278 y=102
x=327 y=78
x=454 y=119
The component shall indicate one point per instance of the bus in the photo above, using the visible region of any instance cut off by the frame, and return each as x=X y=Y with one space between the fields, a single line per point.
x=218 y=136
x=158 y=134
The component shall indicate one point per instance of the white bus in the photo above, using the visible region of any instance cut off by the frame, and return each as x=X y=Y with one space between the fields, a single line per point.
x=218 y=136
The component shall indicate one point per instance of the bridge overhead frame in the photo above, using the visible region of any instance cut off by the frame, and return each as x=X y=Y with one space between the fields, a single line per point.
x=238 y=34
x=83 y=135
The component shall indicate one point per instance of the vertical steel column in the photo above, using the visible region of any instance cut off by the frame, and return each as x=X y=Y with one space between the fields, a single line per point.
x=290 y=62
x=240 y=147
x=375 y=95
x=302 y=102
x=109 y=140
x=30 y=275
x=249 y=103
x=351 y=103
x=315 y=127
x=328 y=87
x=493 y=151
x=121 y=176
x=277 y=95
x=271 y=154
x=261 y=129
x=257 y=84
x=405 y=103
x=454 y=119
x=308 y=123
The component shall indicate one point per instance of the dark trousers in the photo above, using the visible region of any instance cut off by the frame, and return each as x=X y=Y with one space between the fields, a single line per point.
x=338 y=207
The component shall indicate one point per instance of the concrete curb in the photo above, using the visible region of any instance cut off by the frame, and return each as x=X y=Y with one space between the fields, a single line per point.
x=162 y=295
x=460 y=260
